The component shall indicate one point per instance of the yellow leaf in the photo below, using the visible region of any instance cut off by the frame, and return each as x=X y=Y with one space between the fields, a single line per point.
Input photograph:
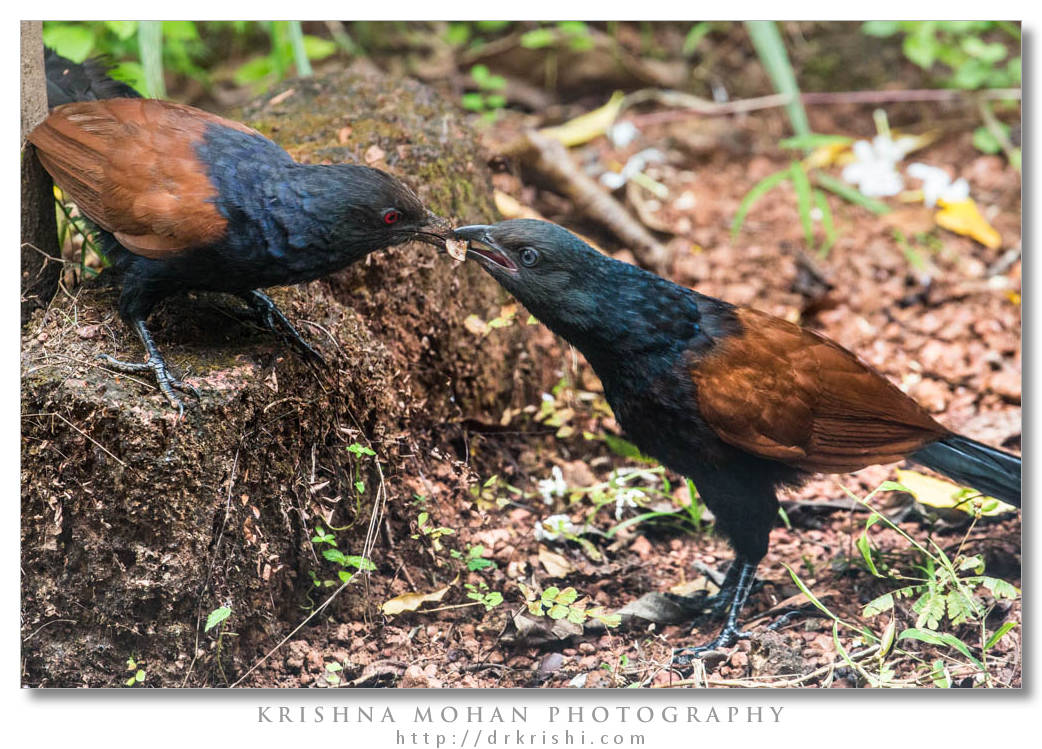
x=826 y=155
x=962 y=217
x=413 y=601
x=586 y=127
x=943 y=494
x=509 y=207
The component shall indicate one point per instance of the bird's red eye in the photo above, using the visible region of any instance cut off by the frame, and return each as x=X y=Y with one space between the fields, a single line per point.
x=391 y=216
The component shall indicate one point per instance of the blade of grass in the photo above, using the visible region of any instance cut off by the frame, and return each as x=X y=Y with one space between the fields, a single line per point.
x=998 y=634
x=869 y=637
x=940 y=638
x=771 y=49
x=801 y=185
x=760 y=189
x=827 y=223
x=300 y=55
x=850 y=194
x=675 y=515
x=814 y=140
x=150 y=47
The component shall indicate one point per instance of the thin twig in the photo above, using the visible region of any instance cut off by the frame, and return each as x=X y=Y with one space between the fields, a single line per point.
x=47 y=624
x=751 y=683
x=105 y=449
x=687 y=105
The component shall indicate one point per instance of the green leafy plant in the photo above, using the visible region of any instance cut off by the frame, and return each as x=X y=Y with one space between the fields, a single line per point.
x=489 y=98
x=137 y=675
x=481 y=593
x=811 y=205
x=971 y=54
x=332 y=673
x=946 y=588
x=950 y=592
x=574 y=35
x=290 y=47
x=359 y=451
x=557 y=603
x=966 y=55
x=811 y=202
x=431 y=533
x=349 y=564
x=474 y=560
x=216 y=617
x=494 y=493
x=216 y=620
x=473 y=34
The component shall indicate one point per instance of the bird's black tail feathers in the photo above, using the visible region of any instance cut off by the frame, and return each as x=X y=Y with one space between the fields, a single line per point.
x=987 y=469
x=69 y=81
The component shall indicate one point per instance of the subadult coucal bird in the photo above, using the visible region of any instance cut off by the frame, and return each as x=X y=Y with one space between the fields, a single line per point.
x=741 y=402
x=186 y=200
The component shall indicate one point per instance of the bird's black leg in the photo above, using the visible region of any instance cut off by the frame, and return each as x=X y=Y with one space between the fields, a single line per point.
x=155 y=363
x=714 y=606
x=738 y=593
x=279 y=324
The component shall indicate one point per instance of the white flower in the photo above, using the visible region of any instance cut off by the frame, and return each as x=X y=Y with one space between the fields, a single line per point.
x=874 y=168
x=937 y=184
x=555 y=526
x=627 y=498
x=621 y=134
x=554 y=486
x=635 y=165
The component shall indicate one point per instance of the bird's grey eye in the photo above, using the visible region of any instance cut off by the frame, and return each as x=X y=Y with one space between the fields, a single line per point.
x=529 y=256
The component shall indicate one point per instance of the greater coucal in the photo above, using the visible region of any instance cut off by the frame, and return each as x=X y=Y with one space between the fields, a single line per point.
x=184 y=199
x=741 y=402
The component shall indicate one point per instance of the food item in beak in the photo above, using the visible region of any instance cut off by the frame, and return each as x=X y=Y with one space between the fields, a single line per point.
x=457 y=249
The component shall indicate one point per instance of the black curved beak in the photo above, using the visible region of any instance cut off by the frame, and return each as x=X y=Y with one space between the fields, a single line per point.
x=489 y=251
x=434 y=231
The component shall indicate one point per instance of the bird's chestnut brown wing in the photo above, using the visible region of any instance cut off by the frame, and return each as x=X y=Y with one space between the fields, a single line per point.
x=131 y=167
x=780 y=391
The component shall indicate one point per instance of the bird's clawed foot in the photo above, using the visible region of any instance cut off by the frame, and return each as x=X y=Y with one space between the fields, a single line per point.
x=728 y=636
x=279 y=324
x=166 y=381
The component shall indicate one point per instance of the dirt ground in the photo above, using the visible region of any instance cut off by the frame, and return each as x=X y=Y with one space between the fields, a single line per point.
x=953 y=343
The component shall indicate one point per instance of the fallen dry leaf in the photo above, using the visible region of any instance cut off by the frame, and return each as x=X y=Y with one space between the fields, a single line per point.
x=475 y=325
x=413 y=601
x=962 y=217
x=555 y=564
x=586 y=127
x=945 y=495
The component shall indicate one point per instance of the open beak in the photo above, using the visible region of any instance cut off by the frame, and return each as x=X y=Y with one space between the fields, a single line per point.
x=435 y=230
x=487 y=251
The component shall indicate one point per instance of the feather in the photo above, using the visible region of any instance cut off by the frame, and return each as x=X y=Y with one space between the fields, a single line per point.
x=787 y=393
x=132 y=168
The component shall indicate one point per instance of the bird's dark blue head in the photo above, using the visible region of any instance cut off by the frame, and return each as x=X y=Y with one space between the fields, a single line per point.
x=611 y=311
x=372 y=208
x=555 y=274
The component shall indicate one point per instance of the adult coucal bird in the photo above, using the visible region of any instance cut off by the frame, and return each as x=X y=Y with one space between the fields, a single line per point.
x=741 y=402
x=184 y=199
